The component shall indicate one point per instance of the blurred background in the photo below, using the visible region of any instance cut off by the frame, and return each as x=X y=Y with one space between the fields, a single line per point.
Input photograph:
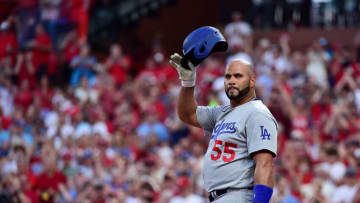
x=87 y=97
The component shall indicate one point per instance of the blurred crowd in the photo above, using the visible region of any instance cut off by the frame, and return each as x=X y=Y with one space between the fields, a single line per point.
x=77 y=128
x=268 y=14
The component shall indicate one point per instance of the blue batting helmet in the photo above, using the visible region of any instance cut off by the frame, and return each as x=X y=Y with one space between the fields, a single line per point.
x=200 y=43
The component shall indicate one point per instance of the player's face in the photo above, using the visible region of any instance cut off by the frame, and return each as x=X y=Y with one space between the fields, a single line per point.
x=238 y=80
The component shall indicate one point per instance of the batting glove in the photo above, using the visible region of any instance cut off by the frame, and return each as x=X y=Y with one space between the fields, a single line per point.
x=187 y=77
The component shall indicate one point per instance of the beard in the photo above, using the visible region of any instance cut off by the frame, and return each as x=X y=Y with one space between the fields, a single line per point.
x=241 y=93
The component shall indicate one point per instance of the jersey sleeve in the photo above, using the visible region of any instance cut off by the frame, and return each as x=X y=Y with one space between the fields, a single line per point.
x=206 y=116
x=261 y=130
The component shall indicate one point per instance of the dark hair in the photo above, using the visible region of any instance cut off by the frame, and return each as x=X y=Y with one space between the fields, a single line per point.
x=332 y=152
x=98 y=187
x=20 y=148
x=147 y=186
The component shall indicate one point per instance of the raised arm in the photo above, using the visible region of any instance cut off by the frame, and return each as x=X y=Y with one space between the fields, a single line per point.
x=186 y=104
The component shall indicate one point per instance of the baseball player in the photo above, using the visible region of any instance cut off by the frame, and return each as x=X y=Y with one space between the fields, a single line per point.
x=238 y=164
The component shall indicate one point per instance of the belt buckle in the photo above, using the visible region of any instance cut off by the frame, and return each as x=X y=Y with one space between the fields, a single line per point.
x=214 y=194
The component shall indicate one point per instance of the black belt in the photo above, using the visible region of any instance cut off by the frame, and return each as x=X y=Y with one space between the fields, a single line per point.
x=217 y=193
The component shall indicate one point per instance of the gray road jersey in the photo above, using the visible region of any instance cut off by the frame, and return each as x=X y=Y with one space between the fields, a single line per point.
x=235 y=134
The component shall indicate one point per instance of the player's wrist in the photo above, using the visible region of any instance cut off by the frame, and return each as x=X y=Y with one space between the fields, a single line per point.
x=188 y=83
x=262 y=193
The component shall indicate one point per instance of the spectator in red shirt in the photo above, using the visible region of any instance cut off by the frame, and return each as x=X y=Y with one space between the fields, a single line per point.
x=80 y=17
x=109 y=96
x=24 y=68
x=126 y=117
x=321 y=107
x=164 y=72
x=24 y=98
x=47 y=183
x=42 y=46
x=70 y=46
x=26 y=177
x=118 y=64
x=148 y=92
x=157 y=66
x=45 y=93
x=151 y=70
x=5 y=120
